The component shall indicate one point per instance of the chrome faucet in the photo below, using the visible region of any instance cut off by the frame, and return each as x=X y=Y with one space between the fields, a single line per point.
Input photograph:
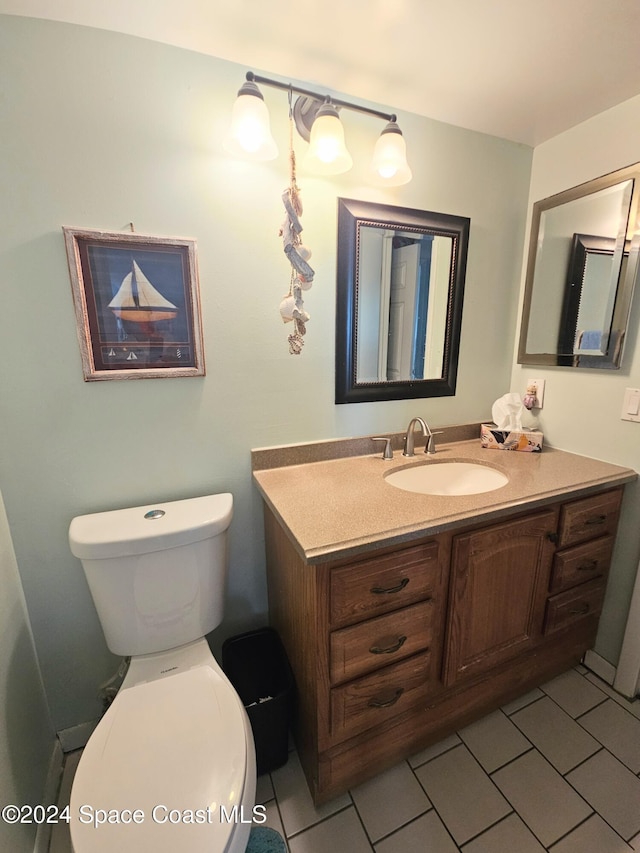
x=408 y=439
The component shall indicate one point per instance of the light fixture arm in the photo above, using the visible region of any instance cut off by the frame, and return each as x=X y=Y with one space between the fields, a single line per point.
x=317 y=96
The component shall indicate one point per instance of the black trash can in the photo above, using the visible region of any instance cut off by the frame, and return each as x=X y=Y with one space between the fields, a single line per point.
x=257 y=666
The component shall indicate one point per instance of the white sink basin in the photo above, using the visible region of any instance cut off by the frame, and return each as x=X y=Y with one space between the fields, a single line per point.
x=447 y=478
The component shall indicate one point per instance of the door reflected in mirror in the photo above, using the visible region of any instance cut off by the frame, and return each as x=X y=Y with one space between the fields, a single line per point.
x=400 y=288
x=403 y=290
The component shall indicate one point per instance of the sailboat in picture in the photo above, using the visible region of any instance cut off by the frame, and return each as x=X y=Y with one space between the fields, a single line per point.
x=138 y=301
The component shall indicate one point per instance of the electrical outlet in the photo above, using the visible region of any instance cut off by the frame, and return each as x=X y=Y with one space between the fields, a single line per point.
x=539 y=384
x=631 y=405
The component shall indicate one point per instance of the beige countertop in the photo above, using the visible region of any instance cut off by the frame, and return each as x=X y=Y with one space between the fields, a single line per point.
x=344 y=507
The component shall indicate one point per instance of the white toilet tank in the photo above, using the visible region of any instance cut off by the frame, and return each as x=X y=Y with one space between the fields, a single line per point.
x=157 y=573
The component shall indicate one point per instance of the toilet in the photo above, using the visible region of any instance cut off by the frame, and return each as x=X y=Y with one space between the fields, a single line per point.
x=171 y=765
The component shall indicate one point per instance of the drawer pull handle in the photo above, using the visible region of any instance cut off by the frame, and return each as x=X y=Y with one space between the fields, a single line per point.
x=588 y=567
x=386 y=703
x=380 y=590
x=376 y=650
x=597 y=519
x=580 y=611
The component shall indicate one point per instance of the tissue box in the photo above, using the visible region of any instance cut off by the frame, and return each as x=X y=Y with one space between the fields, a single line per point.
x=529 y=440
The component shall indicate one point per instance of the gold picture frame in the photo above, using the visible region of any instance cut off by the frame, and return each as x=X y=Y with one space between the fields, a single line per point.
x=137 y=304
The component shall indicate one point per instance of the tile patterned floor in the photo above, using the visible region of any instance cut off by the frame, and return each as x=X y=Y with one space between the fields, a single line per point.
x=558 y=770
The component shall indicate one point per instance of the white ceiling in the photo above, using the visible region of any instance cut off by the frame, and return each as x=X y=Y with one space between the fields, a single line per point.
x=524 y=70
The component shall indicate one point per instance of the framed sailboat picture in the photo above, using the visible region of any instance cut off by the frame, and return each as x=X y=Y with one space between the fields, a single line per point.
x=137 y=305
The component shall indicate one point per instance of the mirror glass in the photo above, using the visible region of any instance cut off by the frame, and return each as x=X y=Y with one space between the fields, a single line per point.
x=581 y=271
x=400 y=287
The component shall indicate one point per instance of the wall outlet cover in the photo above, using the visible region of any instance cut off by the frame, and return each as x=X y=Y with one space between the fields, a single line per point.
x=539 y=383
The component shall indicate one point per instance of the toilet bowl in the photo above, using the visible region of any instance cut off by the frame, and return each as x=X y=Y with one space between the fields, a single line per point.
x=171 y=765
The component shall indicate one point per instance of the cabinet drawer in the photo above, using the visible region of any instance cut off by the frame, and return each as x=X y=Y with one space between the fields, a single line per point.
x=588 y=518
x=373 y=699
x=380 y=641
x=568 y=607
x=581 y=563
x=385 y=583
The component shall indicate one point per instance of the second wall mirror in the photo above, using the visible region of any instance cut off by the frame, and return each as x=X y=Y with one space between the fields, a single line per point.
x=401 y=275
x=581 y=272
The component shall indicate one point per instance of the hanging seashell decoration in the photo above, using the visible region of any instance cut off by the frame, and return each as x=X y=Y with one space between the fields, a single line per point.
x=292 y=305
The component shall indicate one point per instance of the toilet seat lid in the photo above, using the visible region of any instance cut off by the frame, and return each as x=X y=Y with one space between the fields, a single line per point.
x=174 y=751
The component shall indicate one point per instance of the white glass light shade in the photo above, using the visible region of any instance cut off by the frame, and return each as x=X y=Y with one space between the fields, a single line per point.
x=250 y=132
x=327 y=154
x=390 y=157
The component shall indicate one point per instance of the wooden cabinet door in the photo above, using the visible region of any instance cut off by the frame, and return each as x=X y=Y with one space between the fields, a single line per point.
x=499 y=580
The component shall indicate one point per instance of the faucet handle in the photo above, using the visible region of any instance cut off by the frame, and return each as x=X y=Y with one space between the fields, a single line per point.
x=387 y=453
x=430 y=446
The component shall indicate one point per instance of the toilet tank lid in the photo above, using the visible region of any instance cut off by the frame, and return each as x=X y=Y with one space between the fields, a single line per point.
x=154 y=527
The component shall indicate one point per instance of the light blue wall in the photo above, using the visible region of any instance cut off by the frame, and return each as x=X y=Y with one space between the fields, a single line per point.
x=582 y=407
x=27 y=739
x=99 y=130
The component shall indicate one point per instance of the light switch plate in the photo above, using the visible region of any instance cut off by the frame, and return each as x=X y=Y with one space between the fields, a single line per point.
x=631 y=405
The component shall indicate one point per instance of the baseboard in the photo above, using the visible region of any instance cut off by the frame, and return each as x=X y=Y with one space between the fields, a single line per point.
x=601 y=667
x=76 y=737
x=50 y=796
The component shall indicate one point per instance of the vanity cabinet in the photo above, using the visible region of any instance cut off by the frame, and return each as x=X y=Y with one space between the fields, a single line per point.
x=499 y=582
x=585 y=542
x=382 y=665
x=399 y=647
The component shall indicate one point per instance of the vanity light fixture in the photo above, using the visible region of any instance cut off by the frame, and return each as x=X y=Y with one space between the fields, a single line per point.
x=317 y=120
x=327 y=154
x=390 y=156
x=250 y=131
